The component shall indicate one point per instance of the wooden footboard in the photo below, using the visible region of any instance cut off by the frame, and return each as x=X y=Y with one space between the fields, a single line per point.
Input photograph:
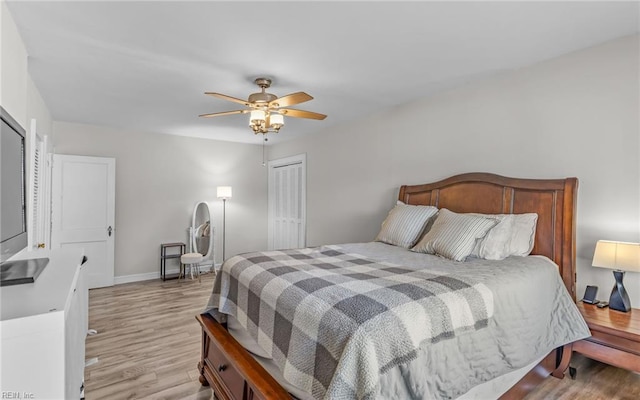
x=235 y=375
x=230 y=370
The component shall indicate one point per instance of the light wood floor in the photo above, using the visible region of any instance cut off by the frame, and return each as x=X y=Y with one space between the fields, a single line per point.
x=148 y=346
x=148 y=341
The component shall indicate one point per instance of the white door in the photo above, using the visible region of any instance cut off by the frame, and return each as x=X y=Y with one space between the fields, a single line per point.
x=83 y=197
x=287 y=203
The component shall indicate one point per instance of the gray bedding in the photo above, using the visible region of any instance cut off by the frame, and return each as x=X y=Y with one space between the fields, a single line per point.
x=532 y=314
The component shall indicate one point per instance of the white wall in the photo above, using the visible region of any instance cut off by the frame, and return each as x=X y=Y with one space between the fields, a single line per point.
x=37 y=109
x=577 y=115
x=160 y=178
x=13 y=72
x=18 y=93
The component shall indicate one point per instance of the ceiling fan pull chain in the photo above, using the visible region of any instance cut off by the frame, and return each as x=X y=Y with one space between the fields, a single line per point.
x=264 y=164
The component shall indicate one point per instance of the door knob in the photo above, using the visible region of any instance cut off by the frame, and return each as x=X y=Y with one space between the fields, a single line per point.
x=110 y=229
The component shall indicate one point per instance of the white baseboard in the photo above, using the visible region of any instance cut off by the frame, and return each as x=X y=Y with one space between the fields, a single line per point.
x=119 y=280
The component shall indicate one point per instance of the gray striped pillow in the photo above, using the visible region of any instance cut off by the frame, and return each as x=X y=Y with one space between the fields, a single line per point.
x=454 y=235
x=404 y=224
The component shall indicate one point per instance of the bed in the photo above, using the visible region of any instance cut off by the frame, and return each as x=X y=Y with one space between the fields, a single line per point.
x=237 y=373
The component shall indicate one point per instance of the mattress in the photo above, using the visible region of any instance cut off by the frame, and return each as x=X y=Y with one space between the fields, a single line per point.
x=533 y=314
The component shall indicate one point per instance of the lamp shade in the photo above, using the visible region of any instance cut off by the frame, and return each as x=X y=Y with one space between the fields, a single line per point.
x=617 y=255
x=276 y=120
x=224 y=192
x=257 y=117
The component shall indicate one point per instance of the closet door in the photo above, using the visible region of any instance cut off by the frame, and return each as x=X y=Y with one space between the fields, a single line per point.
x=287 y=203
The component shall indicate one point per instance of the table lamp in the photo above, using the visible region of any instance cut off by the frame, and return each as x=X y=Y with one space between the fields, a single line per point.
x=621 y=257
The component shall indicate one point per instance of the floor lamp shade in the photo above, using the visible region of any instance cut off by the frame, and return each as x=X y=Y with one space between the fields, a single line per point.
x=224 y=193
x=621 y=257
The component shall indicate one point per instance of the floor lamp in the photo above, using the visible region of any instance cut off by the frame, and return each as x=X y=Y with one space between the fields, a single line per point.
x=224 y=193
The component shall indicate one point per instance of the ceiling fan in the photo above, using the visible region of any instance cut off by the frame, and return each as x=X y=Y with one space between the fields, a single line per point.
x=267 y=110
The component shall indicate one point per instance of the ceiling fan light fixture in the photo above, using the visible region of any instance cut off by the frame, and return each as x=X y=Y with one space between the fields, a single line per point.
x=267 y=110
x=257 y=117
x=276 y=121
x=257 y=121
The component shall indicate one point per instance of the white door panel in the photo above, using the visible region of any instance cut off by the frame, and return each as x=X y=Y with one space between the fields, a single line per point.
x=84 y=212
x=87 y=182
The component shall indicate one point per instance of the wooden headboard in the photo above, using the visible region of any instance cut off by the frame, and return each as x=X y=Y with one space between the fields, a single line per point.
x=553 y=200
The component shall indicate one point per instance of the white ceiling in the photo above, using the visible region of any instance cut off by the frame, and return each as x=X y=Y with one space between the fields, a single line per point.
x=145 y=65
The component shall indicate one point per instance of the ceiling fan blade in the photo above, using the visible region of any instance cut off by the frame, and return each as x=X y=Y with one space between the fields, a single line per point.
x=290 y=99
x=289 y=112
x=225 y=97
x=219 y=114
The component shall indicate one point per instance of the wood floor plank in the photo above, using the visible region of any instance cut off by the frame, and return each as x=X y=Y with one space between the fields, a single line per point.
x=148 y=347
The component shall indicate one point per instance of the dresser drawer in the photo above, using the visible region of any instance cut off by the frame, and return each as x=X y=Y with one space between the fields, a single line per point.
x=223 y=370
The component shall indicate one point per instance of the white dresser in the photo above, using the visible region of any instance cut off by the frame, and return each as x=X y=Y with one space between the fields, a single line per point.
x=43 y=326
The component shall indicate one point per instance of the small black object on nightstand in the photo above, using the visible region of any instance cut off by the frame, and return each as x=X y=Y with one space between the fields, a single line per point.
x=590 y=295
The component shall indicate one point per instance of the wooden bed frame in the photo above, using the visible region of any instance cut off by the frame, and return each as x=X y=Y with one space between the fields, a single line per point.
x=235 y=374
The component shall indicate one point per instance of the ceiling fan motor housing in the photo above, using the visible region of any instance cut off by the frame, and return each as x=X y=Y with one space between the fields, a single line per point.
x=262 y=97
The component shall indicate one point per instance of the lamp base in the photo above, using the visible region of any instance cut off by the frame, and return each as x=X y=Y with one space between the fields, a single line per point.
x=619 y=299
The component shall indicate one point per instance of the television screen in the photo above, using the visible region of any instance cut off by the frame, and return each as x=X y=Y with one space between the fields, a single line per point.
x=13 y=218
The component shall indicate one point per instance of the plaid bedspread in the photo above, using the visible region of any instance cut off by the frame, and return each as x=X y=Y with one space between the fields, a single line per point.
x=334 y=322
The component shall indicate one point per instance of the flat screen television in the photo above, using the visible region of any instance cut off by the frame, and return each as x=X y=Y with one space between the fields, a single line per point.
x=13 y=200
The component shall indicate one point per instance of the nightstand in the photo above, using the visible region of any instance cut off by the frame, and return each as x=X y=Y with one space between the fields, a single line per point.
x=615 y=336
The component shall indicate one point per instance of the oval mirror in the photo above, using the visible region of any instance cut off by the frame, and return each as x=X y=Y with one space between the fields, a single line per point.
x=201 y=230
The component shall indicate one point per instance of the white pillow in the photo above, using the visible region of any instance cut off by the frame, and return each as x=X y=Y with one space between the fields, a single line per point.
x=513 y=236
x=404 y=224
x=454 y=235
